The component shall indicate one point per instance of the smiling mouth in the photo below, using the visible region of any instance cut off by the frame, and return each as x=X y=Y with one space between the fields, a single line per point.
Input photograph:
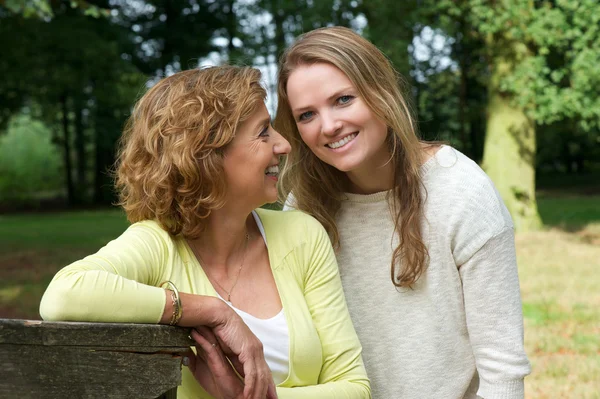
x=272 y=171
x=342 y=142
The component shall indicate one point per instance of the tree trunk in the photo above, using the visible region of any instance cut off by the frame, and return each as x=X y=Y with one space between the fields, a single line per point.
x=71 y=198
x=80 y=149
x=105 y=147
x=231 y=27
x=509 y=152
x=278 y=18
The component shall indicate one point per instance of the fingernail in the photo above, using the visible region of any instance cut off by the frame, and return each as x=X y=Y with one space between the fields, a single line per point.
x=185 y=361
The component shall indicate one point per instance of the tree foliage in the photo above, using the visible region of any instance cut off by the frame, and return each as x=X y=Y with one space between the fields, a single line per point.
x=507 y=75
x=29 y=165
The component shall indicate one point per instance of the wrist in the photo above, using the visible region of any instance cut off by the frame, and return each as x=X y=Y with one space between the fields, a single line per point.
x=203 y=310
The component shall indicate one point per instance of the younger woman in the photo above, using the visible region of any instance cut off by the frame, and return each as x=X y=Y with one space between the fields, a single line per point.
x=426 y=246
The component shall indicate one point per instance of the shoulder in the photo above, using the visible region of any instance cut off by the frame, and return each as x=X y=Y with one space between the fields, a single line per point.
x=290 y=222
x=455 y=184
x=148 y=234
x=292 y=231
x=462 y=203
x=456 y=170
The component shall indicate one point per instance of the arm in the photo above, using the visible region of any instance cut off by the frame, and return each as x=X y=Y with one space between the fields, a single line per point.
x=119 y=284
x=116 y=284
x=342 y=373
x=494 y=317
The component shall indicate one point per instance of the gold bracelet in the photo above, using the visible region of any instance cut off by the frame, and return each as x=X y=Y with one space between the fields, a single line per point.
x=177 y=308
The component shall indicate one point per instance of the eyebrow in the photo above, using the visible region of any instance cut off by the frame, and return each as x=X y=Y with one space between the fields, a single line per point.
x=263 y=122
x=334 y=95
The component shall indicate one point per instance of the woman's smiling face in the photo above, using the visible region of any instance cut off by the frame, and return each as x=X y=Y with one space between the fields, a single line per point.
x=334 y=121
x=251 y=160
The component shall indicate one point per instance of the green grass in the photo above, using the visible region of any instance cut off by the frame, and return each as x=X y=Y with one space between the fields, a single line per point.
x=49 y=231
x=569 y=212
x=33 y=247
x=558 y=267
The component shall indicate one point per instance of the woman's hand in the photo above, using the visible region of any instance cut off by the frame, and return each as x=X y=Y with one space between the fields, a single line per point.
x=211 y=368
x=245 y=352
x=235 y=339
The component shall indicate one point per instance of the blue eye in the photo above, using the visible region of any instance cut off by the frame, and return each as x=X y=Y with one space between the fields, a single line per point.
x=344 y=99
x=306 y=115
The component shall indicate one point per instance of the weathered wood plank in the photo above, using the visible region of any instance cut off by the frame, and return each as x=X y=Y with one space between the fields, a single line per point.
x=32 y=370
x=14 y=331
x=90 y=360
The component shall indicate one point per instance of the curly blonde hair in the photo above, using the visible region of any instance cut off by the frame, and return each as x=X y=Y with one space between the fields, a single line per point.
x=318 y=187
x=170 y=160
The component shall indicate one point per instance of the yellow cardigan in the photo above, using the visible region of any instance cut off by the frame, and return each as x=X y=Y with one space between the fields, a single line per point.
x=119 y=284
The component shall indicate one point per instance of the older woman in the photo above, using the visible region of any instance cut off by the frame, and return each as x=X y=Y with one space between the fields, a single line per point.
x=261 y=288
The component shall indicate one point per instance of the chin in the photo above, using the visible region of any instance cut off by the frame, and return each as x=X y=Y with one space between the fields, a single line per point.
x=271 y=198
x=344 y=166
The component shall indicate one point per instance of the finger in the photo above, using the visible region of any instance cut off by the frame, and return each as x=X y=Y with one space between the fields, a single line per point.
x=225 y=348
x=188 y=359
x=207 y=347
x=272 y=391
x=263 y=380
x=208 y=334
x=237 y=365
x=249 y=379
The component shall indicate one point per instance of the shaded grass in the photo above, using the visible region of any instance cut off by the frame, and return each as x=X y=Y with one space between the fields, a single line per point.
x=33 y=247
x=61 y=230
x=569 y=212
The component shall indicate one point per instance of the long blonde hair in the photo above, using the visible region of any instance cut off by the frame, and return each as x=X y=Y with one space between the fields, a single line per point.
x=170 y=161
x=318 y=187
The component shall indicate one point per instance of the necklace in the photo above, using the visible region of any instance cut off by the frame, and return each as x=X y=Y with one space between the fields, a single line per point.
x=238 y=272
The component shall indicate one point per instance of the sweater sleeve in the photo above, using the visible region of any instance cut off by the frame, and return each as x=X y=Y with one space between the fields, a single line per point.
x=342 y=374
x=494 y=317
x=116 y=284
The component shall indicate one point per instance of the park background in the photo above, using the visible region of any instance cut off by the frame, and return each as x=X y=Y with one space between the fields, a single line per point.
x=513 y=84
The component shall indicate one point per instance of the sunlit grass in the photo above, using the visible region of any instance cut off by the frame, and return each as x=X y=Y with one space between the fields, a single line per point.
x=559 y=273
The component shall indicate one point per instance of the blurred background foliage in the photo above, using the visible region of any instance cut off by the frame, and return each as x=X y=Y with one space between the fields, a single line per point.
x=514 y=84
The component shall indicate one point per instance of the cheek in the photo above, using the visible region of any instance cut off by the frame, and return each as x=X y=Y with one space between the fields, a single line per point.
x=378 y=128
x=308 y=135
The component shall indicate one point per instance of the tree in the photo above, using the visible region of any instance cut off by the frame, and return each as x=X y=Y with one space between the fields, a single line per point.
x=539 y=58
x=60 y=65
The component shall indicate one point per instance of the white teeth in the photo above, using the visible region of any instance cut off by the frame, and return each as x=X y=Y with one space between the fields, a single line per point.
x=343 y=141
x=272 y=170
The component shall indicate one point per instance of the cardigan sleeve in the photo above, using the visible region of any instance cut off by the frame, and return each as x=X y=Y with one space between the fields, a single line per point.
x=116 y=284
x=342 y=374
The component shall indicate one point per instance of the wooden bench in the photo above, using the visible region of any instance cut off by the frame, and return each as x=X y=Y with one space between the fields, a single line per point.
x=90 y=360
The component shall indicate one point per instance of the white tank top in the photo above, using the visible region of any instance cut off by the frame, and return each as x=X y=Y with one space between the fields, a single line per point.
x=273 y=333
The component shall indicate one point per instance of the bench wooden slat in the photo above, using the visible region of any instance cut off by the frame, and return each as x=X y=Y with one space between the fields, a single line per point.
x=90 y=360
x=15 y=331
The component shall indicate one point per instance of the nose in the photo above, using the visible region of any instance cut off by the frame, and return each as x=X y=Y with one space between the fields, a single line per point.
x=330 y=125
x=282 y=146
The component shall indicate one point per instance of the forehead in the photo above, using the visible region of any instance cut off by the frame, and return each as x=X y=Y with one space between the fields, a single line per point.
x=257 y=118
x=311 y=82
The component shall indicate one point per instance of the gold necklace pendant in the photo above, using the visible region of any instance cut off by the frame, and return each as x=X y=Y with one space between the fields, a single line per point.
x=228 y=292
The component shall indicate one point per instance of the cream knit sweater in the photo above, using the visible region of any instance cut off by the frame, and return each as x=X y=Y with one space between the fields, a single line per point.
x=459 y=332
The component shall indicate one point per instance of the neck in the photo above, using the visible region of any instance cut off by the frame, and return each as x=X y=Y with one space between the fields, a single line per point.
x=373 y=179
x=223 y=241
